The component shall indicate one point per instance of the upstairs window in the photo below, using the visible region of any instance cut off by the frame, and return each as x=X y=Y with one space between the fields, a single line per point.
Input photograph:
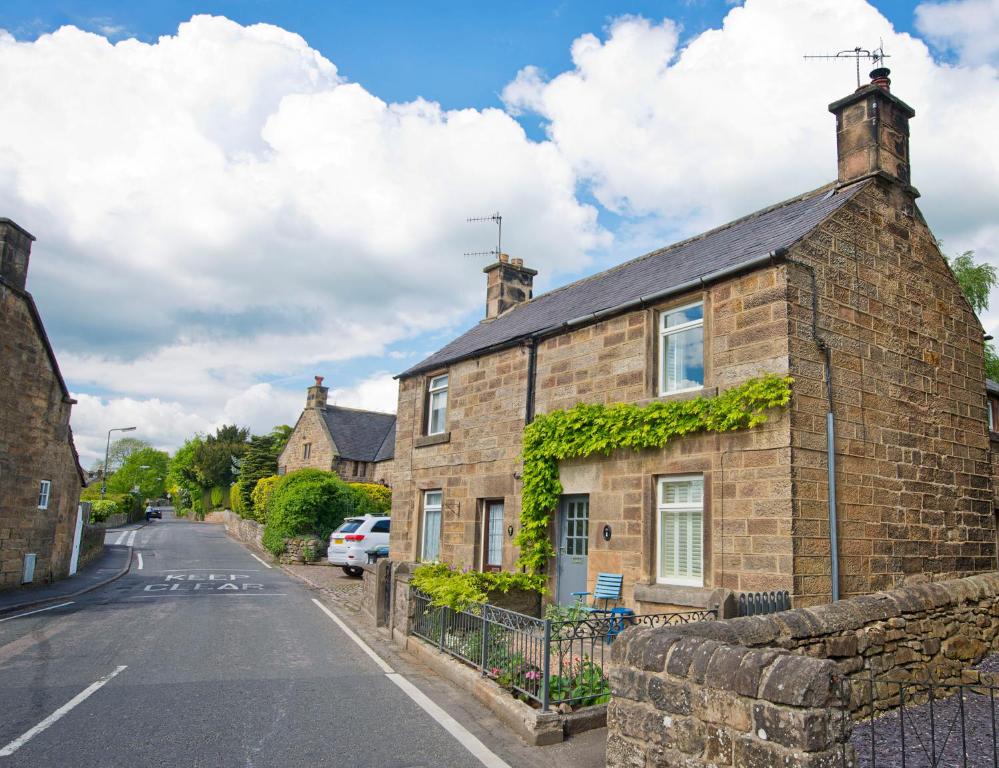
x=436 y=405
x=681 y=349
x=681 y=531
x=306 y=450
x=431 y=547
x=44 y=491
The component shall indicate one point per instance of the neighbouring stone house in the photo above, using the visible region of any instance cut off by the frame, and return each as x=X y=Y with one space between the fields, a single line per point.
x=357 y=445
x=843 y=288
x=40 y=474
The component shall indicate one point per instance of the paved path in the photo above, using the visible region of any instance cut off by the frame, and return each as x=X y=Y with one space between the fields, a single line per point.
x=203 y=656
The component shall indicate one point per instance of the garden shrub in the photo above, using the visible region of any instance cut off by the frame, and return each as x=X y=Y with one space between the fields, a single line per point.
x=378 y=498
x=236 y=498
x=260 y=495
x=446 y=585
x=124 y=503
x=102 y=510
x=307 y=502
x=217 y=494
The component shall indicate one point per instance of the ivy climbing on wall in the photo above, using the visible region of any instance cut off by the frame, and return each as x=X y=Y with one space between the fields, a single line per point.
x=585 y=430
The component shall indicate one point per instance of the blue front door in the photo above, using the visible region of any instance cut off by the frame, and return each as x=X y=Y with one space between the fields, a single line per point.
x=574 y=547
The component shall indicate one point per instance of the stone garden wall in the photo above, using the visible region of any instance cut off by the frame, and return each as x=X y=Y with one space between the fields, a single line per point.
x=784 y=689
x=91 y=545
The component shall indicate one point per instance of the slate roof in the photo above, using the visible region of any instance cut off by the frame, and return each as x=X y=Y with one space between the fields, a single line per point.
x=361 y=435
x=730 y=246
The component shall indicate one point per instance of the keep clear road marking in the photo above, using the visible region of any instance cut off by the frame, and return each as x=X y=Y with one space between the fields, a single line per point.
x=39 y=610
x=131 y=538
x=262 y=562
x=82 y=696
x=464 y=737
x=139 y=555
x=130 y=535
x=121 y=538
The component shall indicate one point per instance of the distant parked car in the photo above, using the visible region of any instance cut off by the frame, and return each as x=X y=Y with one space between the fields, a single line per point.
x=350 y=542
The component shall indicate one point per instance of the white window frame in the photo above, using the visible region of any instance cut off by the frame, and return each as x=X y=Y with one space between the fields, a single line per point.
x=661 y=509
x=665 y=332
x=434 y=389
x=44 y=494
x=437 y=507
x=488 y=507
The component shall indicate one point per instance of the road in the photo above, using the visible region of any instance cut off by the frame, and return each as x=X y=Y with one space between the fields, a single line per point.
x=203 y=656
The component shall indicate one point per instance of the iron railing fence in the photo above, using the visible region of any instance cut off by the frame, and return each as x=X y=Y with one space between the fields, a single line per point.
x=760 y=603
x=548 y=662
x=929 y=725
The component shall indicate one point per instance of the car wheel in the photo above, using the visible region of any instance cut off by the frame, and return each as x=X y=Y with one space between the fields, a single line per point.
x=353 y=571
x=346 y=569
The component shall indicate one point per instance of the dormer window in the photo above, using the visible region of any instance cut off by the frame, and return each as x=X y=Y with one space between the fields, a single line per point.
x=681 y=349
x=437 y=405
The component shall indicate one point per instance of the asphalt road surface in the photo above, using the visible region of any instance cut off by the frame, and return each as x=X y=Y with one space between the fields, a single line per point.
x=203 y=656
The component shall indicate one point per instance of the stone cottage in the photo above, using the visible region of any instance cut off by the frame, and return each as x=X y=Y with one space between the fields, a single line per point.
x=843 y=288
x=40 y=474
x=357 y=445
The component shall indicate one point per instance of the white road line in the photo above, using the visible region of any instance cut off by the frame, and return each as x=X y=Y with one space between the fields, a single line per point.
x=461 y=734
x=121 y=538
x=82 y=696
x=131 y=538
x=464 y=737
x=139 y=555
x=39 y=610
x=265 y=563
x=350 y=633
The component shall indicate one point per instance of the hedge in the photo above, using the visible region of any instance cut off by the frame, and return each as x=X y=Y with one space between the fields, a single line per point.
x=260 y=495
x=379 y=498
x=308 y=502
x=236 y=498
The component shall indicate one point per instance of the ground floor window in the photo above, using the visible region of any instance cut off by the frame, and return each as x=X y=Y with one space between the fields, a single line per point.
x=431 y=539
x=493 y=536
x=44 y=490
x=681 y=530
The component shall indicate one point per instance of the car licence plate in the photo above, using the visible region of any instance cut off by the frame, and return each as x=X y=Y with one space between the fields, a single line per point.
x=338 y=541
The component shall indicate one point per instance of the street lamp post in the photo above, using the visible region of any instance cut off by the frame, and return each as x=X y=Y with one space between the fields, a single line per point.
x=107 y=451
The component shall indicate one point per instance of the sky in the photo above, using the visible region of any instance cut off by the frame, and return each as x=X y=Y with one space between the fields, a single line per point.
x=232 y=197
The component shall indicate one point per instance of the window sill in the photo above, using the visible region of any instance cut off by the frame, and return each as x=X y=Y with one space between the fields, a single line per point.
x=689 y=394
x=673 y=594
x=425 y=440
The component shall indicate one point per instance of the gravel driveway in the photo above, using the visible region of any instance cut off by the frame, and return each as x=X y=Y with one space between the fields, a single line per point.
x=942 y=745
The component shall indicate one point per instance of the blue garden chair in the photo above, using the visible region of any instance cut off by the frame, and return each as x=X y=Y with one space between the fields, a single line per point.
x=608 y=588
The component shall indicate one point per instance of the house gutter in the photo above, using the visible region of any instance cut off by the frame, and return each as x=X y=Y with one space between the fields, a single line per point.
x=823 y=346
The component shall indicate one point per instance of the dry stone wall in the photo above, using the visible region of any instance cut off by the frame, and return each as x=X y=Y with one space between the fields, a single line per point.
x=784 y=689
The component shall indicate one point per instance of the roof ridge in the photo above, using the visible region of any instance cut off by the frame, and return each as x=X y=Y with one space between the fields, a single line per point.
x=382 y=443
x=360 y=410
x=830 y=186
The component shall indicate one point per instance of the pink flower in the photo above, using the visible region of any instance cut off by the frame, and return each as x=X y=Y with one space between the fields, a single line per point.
x=533 y=675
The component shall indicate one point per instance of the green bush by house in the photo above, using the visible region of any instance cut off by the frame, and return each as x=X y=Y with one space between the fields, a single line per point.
x=217 y=497
x=379 y=498
x=307 y=502
x=124 y=503
x=457 y=589
x=102 y=510
x=260 y=495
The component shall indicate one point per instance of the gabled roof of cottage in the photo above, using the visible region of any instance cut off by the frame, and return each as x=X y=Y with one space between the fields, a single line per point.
x=680 y=266
x=361 y=435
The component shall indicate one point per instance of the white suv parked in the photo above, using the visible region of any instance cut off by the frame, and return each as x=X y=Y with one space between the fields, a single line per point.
x=350 y=542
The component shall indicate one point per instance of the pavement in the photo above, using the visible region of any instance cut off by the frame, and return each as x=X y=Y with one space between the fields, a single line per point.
x=112 y=563
x=203 y=655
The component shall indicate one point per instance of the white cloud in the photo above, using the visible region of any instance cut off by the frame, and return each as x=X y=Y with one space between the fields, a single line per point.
x=220 y=208
x=735 y=119
x=968 y=27
x=379 y=392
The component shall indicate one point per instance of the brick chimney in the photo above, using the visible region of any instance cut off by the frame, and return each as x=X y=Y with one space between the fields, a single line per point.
x=872 y=133
x=15 y=250
x=317 y=393
x=508 y=283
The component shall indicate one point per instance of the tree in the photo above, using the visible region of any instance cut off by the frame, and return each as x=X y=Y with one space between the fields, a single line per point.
x=145 y=469
x=977 y=280
x=214 y=457
x=182 y=475
x=120 y=450
x=281 y=434
x=259 y=461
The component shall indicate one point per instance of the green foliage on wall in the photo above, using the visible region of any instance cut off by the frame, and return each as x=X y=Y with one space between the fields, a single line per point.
x=458 y=589
x=586 y=429
x=378 y=496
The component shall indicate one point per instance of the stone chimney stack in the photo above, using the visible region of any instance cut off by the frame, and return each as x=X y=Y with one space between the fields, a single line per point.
x=15 y=250
x=317 y=395
x=872 y=133
x=508 y=283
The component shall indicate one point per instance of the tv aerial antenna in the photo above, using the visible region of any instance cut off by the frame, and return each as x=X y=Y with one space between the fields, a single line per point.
x=498 y=220
x=876 y=57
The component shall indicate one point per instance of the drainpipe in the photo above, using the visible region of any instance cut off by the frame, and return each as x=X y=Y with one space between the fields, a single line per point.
x=830 y=432
x=532 y=364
